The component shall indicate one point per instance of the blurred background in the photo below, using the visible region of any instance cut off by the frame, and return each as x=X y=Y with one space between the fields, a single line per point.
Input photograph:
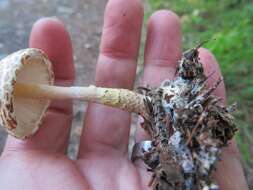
x=230 y=22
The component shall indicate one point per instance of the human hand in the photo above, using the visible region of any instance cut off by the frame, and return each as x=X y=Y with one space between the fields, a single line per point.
x=41 y=163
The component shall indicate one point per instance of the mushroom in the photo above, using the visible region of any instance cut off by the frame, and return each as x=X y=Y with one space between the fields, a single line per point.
x=187 y=125
x=22 y=117
x=26 y=89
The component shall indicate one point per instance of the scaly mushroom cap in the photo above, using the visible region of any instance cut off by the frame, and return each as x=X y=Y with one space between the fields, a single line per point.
x=23 y=117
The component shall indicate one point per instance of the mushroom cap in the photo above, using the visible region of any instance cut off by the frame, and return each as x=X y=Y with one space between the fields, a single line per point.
x=19 y=116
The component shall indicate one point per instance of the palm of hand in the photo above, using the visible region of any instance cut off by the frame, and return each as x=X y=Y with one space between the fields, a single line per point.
x=41 y=163
x=41 y=170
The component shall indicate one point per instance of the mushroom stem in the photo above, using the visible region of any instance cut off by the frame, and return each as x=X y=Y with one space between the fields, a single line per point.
x=120 y=98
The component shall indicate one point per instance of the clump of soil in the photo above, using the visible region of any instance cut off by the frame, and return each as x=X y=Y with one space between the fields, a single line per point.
x=188 y=126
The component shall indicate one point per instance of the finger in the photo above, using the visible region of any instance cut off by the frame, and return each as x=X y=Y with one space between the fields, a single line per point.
x=162 y=51
x=229 y=173
x=107 y=129
x=212 y=69
x=49 y=35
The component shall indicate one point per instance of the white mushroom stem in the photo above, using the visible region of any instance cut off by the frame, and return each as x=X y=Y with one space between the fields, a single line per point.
x=120 y=98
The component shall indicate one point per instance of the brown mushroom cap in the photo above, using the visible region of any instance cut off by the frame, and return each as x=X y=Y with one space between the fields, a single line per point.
x=22 y=117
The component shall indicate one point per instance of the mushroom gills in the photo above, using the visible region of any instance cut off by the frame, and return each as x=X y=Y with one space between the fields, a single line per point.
x=30 y=112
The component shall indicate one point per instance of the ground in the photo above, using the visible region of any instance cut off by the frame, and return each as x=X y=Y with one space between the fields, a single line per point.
x=83 y=20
